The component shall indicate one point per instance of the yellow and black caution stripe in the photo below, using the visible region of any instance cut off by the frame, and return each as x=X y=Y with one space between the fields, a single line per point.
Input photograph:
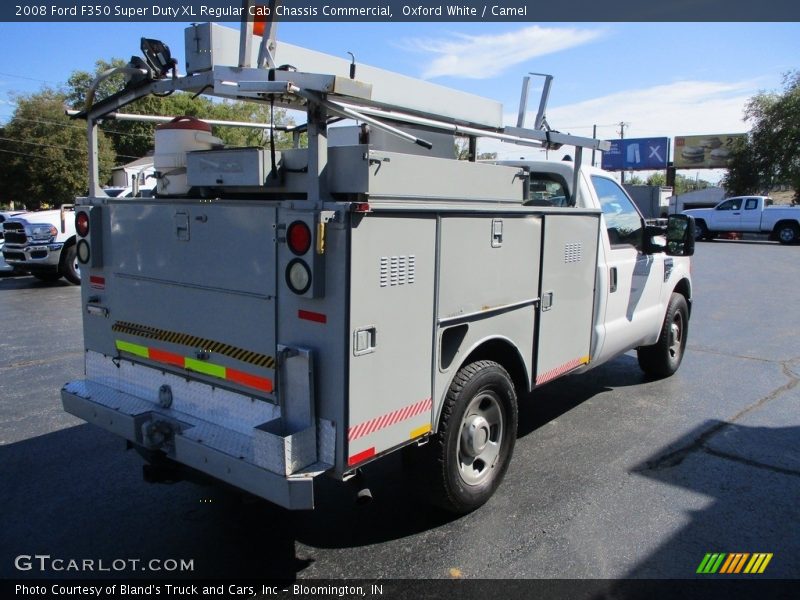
x=184 y=339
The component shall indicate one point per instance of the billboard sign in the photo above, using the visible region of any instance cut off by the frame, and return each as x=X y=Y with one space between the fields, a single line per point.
x=636 y=154
x=705 y=151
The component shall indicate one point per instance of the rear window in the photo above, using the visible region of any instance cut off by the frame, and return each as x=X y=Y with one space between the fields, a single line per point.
x=547 y=189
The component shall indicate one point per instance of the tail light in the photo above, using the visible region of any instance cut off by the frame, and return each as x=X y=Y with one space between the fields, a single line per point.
x=298 y=237
x=82 y=223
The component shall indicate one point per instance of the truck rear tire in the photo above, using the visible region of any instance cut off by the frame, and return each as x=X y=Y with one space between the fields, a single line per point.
x=68 y=266
x=664 y=357
x=475 y=440
x=788 y=233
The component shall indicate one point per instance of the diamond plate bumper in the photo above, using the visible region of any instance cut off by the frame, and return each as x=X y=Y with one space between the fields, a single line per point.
x=220 y=452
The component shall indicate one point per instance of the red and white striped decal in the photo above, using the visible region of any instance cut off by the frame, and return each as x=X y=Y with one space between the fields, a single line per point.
x=373 y=425
x=558 y=371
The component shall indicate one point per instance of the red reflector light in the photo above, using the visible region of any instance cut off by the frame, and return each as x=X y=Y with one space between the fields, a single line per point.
x=312 y=316
x=82 y=224
x=361 y=207
x=298 y=236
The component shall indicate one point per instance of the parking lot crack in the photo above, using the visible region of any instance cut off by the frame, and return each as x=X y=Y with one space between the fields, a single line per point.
x=751 y=463
x=676 y=457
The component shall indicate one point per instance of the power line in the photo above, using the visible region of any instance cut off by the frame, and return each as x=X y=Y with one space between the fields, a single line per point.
x=59 y=147
x=49 y=122
x=29 y=78
x=26 y=154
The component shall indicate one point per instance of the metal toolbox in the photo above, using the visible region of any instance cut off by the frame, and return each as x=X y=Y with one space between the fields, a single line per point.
x=229 y=167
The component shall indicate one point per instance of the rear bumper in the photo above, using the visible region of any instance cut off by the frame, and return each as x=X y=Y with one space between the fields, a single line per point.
x=222 y=453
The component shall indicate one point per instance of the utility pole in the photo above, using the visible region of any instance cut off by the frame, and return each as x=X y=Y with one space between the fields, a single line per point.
x=622 y=126
x=594 y=136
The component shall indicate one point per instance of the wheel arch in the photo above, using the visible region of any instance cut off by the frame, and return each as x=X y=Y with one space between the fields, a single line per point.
x=502 y=351
x=783 y=223
x=684 y=288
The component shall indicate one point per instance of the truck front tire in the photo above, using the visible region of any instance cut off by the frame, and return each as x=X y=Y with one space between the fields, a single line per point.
x=68 y=265
x=700 y=231
x=475 y=440
x=664 y=357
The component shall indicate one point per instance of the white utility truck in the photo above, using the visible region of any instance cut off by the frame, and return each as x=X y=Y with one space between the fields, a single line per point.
x=273 y=316
x=43 y=243
x=748 y=214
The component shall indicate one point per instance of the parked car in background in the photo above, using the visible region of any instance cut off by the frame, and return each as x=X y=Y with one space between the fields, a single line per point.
x=748 y=214
x=4 y=216
x=43 y=243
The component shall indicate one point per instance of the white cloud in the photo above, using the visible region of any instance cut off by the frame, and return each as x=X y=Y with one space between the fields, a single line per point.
x=679 y=108
x=485 y=56
x=669 y=110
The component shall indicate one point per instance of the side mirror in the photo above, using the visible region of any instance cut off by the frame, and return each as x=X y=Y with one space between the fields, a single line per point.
x=680 y=235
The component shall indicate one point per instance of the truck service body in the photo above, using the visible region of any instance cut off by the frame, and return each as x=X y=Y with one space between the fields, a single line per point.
x=309 y=313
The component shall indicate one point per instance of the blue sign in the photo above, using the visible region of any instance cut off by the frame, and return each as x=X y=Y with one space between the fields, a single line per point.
x=637 y=154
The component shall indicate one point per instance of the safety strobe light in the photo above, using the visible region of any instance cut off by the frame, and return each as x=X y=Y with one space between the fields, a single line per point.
x=83 y=252
x=298 y=236
x=82 y=224
x=298 y=276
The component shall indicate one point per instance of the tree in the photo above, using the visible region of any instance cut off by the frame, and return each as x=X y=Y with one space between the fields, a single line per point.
x=771 y=154
x=658 y=178
x=44 y=153
x=634 y=180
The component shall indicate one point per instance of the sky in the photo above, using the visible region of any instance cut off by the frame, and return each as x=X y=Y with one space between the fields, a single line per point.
x=661 y=79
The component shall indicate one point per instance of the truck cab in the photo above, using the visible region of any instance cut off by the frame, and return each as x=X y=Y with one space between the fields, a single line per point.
x=634 y=278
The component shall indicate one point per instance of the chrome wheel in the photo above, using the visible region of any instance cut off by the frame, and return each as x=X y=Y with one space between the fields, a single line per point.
x=676 y=336
x=787 y=235
x=481 y=438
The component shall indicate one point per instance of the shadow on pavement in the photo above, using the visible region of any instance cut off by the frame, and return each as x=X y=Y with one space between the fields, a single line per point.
x=751 y=477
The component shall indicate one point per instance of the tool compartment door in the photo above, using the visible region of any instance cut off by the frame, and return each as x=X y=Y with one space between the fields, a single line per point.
x=191 y=287
x=569 y=262
x=391 y=332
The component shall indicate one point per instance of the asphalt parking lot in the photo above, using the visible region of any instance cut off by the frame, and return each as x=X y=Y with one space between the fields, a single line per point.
x=613 y=476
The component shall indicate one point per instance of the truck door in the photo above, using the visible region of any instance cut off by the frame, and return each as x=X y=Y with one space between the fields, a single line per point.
x=751 y=215
x=633 y=302
x=727 y=216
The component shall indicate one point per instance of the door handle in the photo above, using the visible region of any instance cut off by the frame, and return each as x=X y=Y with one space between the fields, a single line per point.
x=737 y=213
x=612 y=276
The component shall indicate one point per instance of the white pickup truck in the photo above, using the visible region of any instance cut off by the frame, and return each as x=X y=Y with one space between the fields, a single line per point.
x=43 y=243
x=748 y=214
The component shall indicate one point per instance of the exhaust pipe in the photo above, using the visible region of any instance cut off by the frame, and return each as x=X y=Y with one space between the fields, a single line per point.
x=359 y=484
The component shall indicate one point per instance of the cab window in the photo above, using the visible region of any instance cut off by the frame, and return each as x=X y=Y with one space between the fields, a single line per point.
x=623 y=221
x=732 y=204
x=547 y=189
x=751 y=204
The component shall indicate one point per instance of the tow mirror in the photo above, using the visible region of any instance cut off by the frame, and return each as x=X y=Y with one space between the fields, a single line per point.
x=680 y=235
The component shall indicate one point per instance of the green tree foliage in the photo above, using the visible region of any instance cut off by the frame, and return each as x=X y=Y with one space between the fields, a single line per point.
x=771 y=154
x=658 y=178
x=135 y=139
x=633 y=179
x=44 y=153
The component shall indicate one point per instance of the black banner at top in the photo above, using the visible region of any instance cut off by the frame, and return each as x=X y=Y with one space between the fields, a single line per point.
x=403 y=10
